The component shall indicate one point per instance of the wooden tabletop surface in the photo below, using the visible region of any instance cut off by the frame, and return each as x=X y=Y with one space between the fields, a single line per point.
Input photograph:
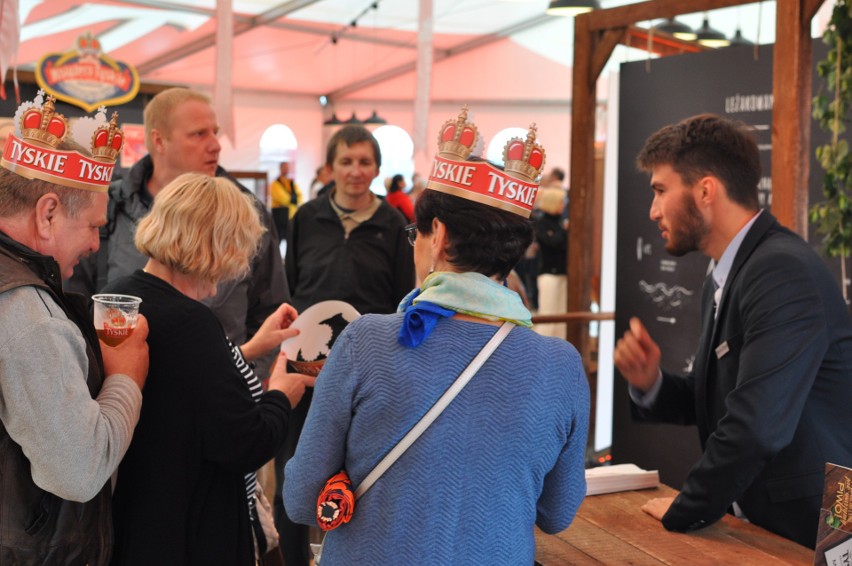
x=611 y=529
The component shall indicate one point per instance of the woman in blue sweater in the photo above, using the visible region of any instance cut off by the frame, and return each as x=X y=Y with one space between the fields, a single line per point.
x=508 y=452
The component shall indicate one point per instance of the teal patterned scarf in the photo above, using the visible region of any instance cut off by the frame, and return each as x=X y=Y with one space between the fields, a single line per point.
x=444 y=293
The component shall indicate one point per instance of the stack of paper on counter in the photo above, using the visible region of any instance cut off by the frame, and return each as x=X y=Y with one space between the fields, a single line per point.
x=621 y=477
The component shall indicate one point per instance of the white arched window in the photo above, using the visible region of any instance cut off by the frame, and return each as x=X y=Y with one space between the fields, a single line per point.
x=277 y=144
x=397 y=150
x=494 y=154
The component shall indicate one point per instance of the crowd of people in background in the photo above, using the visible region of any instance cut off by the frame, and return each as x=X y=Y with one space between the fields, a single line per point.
x=540 y=276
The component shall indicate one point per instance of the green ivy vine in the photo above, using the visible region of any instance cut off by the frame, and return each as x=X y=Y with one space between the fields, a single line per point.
x=833 y=217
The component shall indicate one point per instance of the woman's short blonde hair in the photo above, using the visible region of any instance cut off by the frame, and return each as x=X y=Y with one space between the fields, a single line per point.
x=203 y=227
x=551 y=200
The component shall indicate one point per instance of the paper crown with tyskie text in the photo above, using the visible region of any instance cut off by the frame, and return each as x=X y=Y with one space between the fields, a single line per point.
x=512 y=189
x=32 y=151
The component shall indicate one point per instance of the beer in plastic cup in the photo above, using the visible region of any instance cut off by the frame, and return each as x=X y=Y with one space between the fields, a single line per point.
x=115 y=317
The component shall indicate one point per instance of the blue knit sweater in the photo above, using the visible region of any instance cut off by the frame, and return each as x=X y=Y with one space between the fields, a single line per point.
x=506 y=454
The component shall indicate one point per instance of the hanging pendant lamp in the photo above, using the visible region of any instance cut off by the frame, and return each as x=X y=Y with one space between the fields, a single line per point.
x=571 y=7
x=710 y=37
x=678 y=29
x=738 y=39
x=333 y=121
x=375 y=119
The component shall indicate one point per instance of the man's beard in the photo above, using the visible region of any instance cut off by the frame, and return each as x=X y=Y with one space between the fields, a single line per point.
x=687 y=230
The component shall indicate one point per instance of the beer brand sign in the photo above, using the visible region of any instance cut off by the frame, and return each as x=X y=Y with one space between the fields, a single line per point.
x=87 y=77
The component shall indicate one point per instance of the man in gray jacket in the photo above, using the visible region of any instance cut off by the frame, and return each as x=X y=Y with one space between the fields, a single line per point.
x=68 y=404
x=181 y=134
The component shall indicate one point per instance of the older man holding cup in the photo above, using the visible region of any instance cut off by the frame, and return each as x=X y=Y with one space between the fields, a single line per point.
x=68 y=406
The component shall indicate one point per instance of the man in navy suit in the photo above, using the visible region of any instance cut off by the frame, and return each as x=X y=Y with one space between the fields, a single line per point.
x=771 y=385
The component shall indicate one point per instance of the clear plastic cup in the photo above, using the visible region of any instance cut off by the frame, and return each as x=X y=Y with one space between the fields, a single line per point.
x=115 y=317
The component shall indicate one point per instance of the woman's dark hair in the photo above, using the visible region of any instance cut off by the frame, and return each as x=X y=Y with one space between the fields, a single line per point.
x=395 y=183
x=481 y=238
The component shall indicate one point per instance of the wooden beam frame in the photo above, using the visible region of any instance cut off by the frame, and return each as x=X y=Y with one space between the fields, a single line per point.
x=597 y=33
x=660 y=43
x=629 y=14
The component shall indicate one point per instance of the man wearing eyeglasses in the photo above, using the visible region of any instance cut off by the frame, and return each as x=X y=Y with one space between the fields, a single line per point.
x=346 y=245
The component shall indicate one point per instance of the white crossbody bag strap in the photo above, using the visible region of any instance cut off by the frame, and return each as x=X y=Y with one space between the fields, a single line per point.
x=436 y=409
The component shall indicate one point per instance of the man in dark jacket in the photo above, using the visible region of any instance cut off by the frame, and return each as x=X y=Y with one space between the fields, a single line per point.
x=772 y=377
x=346 y=245
x=68 y=404
x=181 y=134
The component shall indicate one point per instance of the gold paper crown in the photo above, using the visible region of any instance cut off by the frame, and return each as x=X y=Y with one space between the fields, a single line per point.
x=524 y=159
x=107 y=140
x=43 y=127
x=32 y=151
x=458 y=137
x=512 y=189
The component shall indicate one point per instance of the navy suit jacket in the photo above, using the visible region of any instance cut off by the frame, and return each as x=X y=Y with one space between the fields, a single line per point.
x=770 y=389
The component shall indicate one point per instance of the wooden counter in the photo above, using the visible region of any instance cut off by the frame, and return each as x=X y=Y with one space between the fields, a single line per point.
x=611 y=529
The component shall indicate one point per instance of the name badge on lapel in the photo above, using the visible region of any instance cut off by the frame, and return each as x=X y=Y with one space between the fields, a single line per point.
x=722 y=349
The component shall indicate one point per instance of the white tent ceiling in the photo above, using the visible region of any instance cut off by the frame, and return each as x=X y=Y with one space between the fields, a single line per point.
x=310 y=47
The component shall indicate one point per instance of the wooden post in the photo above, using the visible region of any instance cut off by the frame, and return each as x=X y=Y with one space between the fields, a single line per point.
x=584 y=89
x=791 y=117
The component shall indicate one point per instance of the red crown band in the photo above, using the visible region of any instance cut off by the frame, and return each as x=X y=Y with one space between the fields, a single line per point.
x=67 y=168
x=482 y=182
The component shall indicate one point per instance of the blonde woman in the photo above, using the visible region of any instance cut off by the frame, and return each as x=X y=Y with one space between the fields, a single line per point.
x=181 y=494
